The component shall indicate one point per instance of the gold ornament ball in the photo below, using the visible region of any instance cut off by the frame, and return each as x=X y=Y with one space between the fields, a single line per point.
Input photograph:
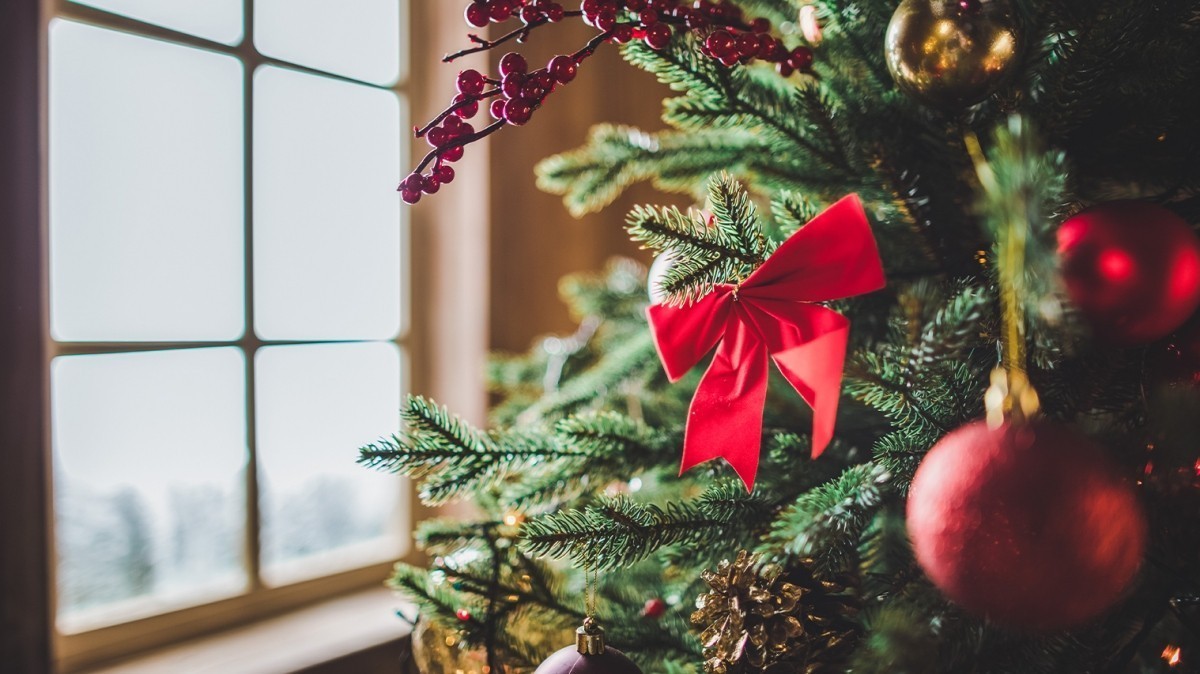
x=437 y=650
x=952 y=53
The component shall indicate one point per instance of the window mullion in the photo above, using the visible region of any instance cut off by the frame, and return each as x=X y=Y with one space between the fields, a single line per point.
x=253 y=537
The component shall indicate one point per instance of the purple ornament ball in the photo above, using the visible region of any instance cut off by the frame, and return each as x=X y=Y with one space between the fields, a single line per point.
x=570 y=661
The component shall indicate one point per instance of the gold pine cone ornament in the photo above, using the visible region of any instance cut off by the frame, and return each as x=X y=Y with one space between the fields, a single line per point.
x=759 y=618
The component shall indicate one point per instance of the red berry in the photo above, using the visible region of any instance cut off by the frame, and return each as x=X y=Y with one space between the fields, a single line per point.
x=606 y=19
x=463 y=129
x=517 y=111
x=658 y=36
x=452 y=153
x=801 y=58
x=530 y=14
x=468 y=110
x=767 y=47
x=477 y=15
x=784 y=68
x=654 y=608
x=462 y=614
x=511 y=85
x=436 y=136
x=445 y=174
x=533 y=90
x=554 y=12
x=720 y=43
x=635 y=5
x=497 y=108
x=563 y=68
x=622 y=33
x=747 y=45
x=696 y=19
x=648 y=16
x=470 y=82
x=760 y=25
x=511 y=63
x=412 y=182
x=410 y=196
x=500 y=11
x=431 y=185
x=591 y=7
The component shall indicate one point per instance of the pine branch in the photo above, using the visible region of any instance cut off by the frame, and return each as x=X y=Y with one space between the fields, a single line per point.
x=611 y=447
x=827 y=523
x=724 y=98
x=791 y=211
x=627 y=360
x=612 y=435
x=950 y=333
x=450 y=456
x=620 y=532
x=703 y=255
x=874 y=381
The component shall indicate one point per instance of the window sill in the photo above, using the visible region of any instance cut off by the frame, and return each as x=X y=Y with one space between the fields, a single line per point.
x=328 y=637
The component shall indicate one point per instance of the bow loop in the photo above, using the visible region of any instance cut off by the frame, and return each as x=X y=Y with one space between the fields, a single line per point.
x=771 y=315
x=832 y=257
x=685 y=335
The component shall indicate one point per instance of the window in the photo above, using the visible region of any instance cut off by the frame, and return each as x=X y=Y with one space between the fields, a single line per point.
x=228 y=283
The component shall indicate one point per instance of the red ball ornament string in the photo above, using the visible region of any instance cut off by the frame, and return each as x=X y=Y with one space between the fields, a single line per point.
x=1016 y=519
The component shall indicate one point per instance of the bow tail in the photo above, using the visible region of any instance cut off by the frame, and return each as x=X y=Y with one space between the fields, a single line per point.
x=726 y=415
x=814 y=369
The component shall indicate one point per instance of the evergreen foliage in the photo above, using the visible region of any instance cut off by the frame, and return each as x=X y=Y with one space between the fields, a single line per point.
x=581 y=469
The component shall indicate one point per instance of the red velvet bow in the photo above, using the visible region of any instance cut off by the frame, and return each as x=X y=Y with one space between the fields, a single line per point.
x=770 y=313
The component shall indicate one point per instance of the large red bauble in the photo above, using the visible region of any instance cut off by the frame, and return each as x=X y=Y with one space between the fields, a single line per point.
x=570 y=661
x=1030 y=526
x=1132 y=268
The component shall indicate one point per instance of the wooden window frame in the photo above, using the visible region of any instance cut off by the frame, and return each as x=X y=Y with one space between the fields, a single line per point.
x=446 y=337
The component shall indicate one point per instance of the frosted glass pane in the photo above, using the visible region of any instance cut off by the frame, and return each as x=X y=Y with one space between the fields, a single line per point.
x=146 y=193
x=326 y=212
x=217 y=20
x=355 y=38
x=149 y=465
x=316 y=405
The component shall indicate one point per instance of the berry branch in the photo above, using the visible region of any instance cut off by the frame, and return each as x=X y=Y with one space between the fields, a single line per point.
x=518 y=92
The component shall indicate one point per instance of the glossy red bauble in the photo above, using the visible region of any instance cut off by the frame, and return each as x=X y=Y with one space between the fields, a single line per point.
x=1030 y=526
x=570 y=661
x=1132 y=268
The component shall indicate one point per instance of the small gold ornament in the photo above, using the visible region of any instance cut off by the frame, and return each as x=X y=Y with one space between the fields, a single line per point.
x=756 y=618
x=437 y=650
x=952 y=53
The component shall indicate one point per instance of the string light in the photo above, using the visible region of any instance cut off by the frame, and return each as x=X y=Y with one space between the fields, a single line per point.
x=1172 y=654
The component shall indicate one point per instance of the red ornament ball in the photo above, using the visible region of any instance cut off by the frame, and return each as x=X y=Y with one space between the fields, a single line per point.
x=1132 y=268
x=1030 y=526
x=570 y=661
x=654 y=608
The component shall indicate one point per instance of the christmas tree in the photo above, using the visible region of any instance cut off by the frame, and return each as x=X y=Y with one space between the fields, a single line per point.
x=972 y=222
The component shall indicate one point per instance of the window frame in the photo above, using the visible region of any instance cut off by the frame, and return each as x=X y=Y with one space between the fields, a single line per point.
x=446 y=265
